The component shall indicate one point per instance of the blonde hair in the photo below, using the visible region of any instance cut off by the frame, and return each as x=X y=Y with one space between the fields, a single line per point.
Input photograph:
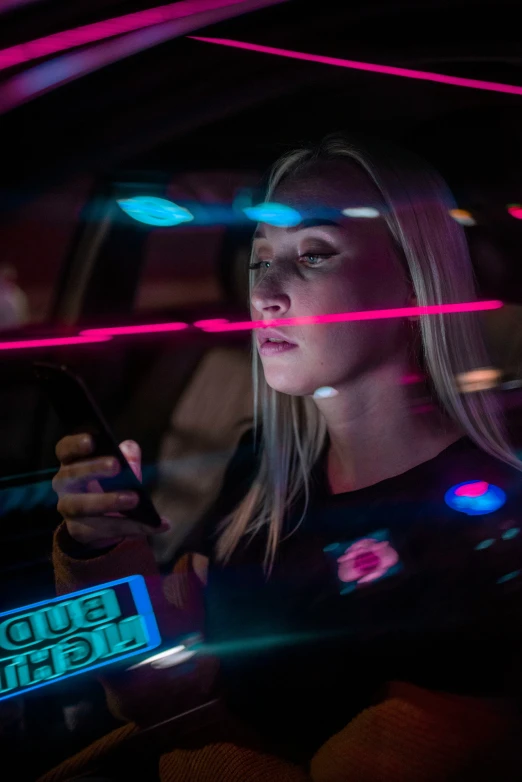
x=434 y=247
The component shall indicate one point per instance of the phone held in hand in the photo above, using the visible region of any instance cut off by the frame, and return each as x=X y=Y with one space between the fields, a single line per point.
x=79 y=413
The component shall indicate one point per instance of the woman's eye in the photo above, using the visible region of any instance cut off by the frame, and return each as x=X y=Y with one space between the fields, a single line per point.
x=309 y=259
x=315 y=259
x=259 y=265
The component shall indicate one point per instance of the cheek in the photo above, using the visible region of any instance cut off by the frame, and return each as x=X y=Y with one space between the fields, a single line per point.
x=339 y=344
x=370 y=286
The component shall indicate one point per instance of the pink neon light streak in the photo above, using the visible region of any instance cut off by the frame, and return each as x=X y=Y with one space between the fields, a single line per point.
x=153 y=328
x=52 y=342
x=388 y=70
x=215 y=325
x=347 y=317
x=56 y=72
x=98 y=31
x=221 y=324
x=7 y=5
x=411 y=379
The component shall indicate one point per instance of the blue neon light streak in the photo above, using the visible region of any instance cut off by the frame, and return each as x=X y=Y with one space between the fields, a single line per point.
x=277 y=215
x=155 y=211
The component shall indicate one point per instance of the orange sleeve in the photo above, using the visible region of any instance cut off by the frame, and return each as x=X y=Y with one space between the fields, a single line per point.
x=145 y=695
x=417 y=734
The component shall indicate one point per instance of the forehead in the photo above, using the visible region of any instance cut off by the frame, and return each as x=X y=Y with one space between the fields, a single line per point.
x=329 y=185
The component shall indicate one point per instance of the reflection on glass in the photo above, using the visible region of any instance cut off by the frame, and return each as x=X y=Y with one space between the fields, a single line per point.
x=155 y=211
x=278 y=215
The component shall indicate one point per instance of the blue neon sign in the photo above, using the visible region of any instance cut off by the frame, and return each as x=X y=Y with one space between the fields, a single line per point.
x=55 y=639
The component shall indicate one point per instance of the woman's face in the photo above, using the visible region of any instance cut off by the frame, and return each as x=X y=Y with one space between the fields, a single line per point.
x=328 y=264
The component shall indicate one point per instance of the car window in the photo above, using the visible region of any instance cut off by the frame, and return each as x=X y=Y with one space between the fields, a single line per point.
x=35 y=239
x=186 y=264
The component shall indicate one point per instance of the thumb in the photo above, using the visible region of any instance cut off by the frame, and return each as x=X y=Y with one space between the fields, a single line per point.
x=132 y=452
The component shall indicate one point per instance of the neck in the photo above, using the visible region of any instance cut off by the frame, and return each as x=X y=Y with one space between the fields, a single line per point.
x=376 y=430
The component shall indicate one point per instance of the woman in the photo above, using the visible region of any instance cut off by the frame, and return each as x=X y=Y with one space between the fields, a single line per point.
x=365 y=628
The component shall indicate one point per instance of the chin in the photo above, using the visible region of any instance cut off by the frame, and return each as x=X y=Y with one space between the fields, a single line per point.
x=289 y=383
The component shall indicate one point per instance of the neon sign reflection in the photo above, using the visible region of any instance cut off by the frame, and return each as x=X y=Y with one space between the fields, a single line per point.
x=52 y=640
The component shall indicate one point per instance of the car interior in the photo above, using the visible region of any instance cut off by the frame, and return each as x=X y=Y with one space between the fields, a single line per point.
x=198 y=123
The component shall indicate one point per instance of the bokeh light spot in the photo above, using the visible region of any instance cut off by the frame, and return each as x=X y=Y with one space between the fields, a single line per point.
x=515 y=210
x=508 y=577
x=463 y=217
x=484 y=544
x=475 y=498
x=509 y=534
x=478 y=380
x=324 y=392
x=361 y=211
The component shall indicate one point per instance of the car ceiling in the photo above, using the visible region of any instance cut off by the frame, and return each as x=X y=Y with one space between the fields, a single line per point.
x=186 y=103
x=244 y=103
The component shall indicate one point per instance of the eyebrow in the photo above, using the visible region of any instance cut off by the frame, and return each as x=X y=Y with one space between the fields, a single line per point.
x=312 y=222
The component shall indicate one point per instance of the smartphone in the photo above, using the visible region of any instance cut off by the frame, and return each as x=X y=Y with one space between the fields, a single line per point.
x=80 y=414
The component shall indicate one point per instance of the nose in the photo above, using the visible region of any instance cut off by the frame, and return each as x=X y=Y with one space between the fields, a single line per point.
x=269 y=301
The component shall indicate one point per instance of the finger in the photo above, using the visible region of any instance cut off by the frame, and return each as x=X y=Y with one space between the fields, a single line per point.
x=166 y=524
x=74 y=446
x=75 y=477
x=74 y=506
x=132 y=452
x=105 y=530
x=165 y=527
x=146 y=529
x=111 y=525
x=93 y=487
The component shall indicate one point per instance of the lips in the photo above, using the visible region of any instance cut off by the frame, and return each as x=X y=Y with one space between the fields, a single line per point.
x=268 y=334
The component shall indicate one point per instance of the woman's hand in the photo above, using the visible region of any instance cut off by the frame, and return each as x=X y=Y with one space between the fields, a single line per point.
x=94 y=518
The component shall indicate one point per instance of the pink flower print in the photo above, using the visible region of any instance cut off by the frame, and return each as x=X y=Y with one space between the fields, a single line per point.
x=366 y=560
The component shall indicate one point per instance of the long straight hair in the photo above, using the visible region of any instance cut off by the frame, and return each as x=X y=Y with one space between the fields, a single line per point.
x=417 y=202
